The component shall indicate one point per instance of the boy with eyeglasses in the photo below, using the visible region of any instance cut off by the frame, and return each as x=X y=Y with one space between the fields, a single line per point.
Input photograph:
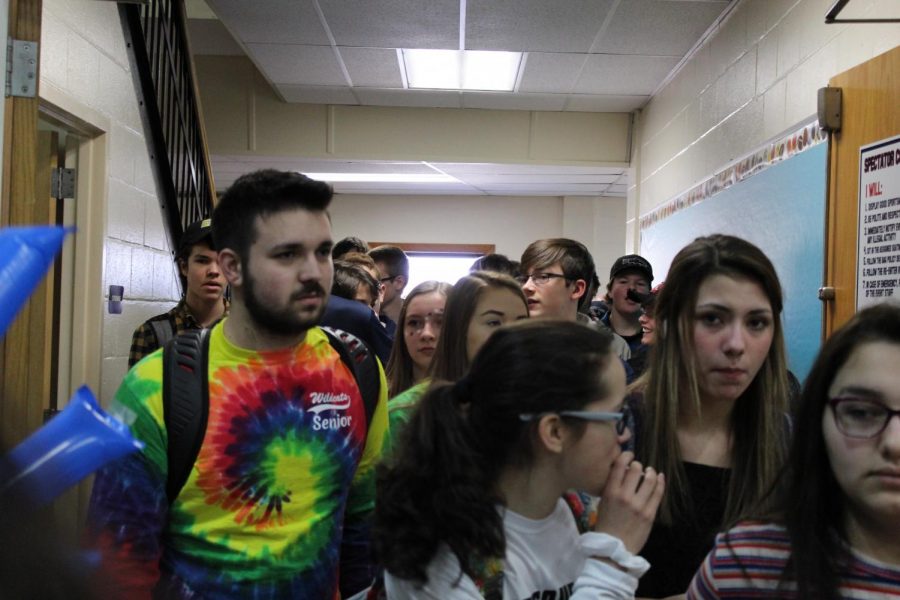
x=394 y=267
x=555 y=276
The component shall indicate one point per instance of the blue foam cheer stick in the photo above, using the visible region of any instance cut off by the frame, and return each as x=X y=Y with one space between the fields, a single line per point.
x=75 y=443
x=25 y=255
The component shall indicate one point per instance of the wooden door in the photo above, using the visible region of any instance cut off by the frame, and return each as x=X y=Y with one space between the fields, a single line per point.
x=871 y=97
x=30 y=346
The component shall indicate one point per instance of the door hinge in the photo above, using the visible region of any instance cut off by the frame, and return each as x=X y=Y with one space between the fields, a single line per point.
x=21 y=68
x=62 y=183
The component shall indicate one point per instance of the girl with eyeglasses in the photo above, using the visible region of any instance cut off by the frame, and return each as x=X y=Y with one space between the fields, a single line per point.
x=418 y=330
x=471 y=504
x=835 y=530
x=712 y=415
x=477 y=305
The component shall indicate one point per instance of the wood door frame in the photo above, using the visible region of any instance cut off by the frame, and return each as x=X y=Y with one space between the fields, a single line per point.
x=87 y=244
x=20 y=164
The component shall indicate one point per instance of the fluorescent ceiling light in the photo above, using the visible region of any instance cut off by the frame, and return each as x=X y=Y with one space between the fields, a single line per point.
x=490 y=70
x=383 y=177
x=462 y=69
x=433 y=69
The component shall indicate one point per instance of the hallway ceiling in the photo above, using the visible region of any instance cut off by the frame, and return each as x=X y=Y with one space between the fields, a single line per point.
x=578 y=55
x=462 y=179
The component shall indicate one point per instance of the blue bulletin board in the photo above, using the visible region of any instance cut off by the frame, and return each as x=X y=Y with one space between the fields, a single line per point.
x=781 y=209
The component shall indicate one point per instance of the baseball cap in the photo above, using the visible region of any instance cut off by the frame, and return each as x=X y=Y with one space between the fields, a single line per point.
x=631 y=262
x=196 y=232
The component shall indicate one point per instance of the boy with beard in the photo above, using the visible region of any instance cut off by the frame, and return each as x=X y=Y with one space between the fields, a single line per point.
x=278 y=499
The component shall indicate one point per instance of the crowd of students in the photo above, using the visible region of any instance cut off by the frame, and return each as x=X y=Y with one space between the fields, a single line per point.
x=526 y=442
x=463 y=507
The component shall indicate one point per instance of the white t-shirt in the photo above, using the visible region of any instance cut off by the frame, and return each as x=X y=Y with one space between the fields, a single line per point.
x=545 y=559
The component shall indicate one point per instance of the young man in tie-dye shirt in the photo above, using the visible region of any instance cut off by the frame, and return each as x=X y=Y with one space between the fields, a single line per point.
x=278 y=499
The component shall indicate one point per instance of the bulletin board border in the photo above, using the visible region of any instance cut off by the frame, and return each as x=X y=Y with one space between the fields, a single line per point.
x=770 y=154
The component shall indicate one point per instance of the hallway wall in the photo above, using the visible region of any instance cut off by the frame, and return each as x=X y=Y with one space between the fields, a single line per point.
x=756 y=77
x=84 y=70
x=244 y=116
x=510 y=223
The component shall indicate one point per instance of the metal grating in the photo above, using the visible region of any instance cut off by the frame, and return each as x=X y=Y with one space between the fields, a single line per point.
x=171 y=112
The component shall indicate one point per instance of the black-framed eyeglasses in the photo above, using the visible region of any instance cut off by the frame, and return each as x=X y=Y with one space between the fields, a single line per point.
x=620 y=418
x=384 y=280
x=860 y=418
x=540 y=279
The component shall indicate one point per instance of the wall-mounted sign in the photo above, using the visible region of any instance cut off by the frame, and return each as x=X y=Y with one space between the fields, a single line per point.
x=878 y=267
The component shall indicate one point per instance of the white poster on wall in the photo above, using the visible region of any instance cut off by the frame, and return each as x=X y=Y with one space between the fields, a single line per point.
x=878 y=269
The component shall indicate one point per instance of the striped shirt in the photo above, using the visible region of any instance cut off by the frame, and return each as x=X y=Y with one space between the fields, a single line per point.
x=749 y=560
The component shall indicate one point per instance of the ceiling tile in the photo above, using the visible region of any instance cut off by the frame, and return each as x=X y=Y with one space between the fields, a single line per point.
x=534 y=25
x=461 y=169
x=658 y=27
x=475 y=178
x=372 y=67
x=299 y=65
x=552 y=73
x=403 y=188
x=410 y=98
x=623 y=75
x=198 y=9
x=209 y=37
x=552 y=190
x=359 y=166
x=510 y=101
x=272 y=21
x=243 y=164
x=314 y=94
x=393 y=23
x=494 y=179
x=593 y=103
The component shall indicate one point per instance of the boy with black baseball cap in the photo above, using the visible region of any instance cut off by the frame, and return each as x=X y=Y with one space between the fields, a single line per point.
x=629 y=273
x=203 y=303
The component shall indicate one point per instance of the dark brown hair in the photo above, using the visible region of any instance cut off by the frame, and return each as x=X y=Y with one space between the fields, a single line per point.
x=399 y=369
x=758 y=418
x=451 y=359
x=441 y=484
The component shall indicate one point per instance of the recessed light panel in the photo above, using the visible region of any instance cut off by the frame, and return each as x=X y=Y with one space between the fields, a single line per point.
x=383 y=177
x=461 y=69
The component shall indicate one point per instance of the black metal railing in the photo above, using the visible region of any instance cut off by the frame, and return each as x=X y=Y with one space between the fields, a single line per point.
x=156 y=33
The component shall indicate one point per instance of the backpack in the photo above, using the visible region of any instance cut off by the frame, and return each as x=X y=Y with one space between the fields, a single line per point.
x=163 y=330
x=186 y=393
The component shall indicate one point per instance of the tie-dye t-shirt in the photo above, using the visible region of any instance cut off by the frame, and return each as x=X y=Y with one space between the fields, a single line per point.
x=400 y=411
x=285 y=471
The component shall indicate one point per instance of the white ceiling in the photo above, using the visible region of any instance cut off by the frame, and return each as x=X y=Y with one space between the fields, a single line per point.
x=579 y=55
x=471 y=178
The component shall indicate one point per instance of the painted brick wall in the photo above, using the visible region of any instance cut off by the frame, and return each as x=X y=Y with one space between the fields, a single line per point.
x=754 y=78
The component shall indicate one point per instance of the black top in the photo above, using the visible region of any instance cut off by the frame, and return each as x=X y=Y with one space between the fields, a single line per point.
x=675 y=552
x=360 y=320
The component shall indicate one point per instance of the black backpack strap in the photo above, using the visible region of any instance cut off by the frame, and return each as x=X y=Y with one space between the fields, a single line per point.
x=163 y=331
x=361 y=362
x=185 y=403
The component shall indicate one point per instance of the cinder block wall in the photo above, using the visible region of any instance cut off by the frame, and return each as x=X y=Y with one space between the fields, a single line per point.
x=84 y=59
x=754 y=78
